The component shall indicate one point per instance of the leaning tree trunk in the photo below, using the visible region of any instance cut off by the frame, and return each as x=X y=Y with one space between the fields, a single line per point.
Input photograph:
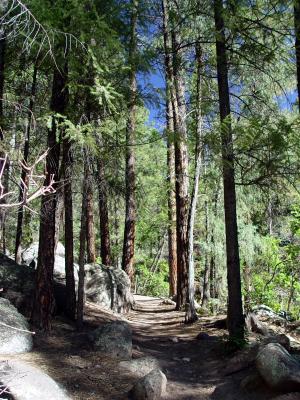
x=191 y=315
x=130 y=217
x=235 y=317
x=170 y=157
x=24 y=180
x=69 y=237
x=43 y=299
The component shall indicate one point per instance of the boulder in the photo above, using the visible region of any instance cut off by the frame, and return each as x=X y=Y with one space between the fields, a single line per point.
x=267 y=312
x=281 y=339
x=25 y=382
x=12 y=340
x=150 y=387
x=114 y=339
x=254 y=325
x=109 y=287
x=17 y=282
x=278 y=368
x=139 y=367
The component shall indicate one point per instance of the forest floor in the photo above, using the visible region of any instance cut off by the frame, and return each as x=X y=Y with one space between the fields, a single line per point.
x=195 y=369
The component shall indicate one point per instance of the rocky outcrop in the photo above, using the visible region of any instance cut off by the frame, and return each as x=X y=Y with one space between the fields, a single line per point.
x=139 y=367
x=108 y=287
x=14 y=336
x=25 y=382
x=278 y=368
x=114 y=339
x=150 y=387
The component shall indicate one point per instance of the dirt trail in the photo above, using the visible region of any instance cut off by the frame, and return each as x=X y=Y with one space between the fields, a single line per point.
x=194 y=368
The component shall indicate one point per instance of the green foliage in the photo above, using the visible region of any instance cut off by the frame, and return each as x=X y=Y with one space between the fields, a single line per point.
x=152 y=280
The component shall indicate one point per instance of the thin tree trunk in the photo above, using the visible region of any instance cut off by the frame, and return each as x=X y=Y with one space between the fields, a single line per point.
x=86 y=183
x=69 y=247
x=2 y=70
x=90 y=231
x=23 y=182
x=170 y=158
x=206 y=291
x=103 y=214
x=130 y=218
x=235 y=307
x=297 y=44
x=212 y=264
x=192 y=315
x=43 y=299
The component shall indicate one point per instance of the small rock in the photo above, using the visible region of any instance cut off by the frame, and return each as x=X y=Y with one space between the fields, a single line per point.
x=113 y=339
x=186 y=359
x=151 y=387
x=175 y=339
x=140 y=366
x=278 y=368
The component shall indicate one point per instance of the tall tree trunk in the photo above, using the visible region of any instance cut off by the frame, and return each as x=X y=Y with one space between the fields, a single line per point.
x=103 y=214
x=23 y=182
x=235 y=308
x=2 y=69
x=297 y=44
x=192 y=315
x=69 y=247
x=90 y=231
x=206 y=291
x=181 y=170
x=170 y=157
x=212 y=263
x=130 y=218
x=87 y=182
x=43 y=299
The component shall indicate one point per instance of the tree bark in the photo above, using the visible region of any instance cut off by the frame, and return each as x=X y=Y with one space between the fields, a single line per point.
x=170 y=158
x=192 y=315
x=69 y=239
x=181 y=170
x=297 y=44
x=235 y=307
x=2 y=70
x=206 y=291
x=23 y=182
x=43 y=299
x=130 y=218
x=85 y=185
x=103 y=214
x=90 y=231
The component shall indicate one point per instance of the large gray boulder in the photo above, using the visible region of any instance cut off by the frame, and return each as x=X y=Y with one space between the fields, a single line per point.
x=109 y=287
x=25 y=382
x=139 y=367
x=151 y=387
x=278 y=368
x=114 y=339
x=13 y=326
x=30 y=256
x=17 y=283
